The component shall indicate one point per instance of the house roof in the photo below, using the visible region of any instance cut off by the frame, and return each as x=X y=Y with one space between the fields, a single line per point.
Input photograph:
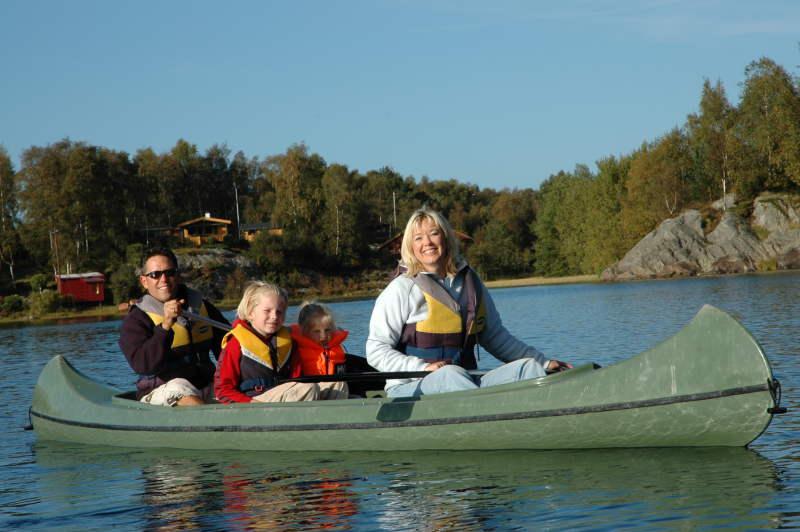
x=207 y=219
x=88 y=276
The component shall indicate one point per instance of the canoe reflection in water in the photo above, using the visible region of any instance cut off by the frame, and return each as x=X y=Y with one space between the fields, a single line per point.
x=273 y=501
x=689 y=488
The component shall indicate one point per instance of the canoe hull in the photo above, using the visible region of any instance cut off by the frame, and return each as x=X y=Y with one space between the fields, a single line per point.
x=655 y=399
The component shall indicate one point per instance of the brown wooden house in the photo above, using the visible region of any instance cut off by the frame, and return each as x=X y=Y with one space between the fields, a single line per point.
x=204 y=229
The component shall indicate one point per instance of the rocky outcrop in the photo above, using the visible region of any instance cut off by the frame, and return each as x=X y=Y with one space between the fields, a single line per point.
x=210 y=270
x=680 y=246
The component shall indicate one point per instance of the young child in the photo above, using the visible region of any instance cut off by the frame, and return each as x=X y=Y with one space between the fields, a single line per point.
x=318 y=346
x=258 y=351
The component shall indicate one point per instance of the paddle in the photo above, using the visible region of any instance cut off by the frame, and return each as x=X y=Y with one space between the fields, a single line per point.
x=341 y=377
x=197 y=317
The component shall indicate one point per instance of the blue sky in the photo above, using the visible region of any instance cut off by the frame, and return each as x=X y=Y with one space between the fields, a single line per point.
x=499 y=94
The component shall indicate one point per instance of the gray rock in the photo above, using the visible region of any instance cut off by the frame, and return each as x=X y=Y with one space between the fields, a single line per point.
x=775 y=212
x=725 y=203
x=208 y=270
x=678 y=246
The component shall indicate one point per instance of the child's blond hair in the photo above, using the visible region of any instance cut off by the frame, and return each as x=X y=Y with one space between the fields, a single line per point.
x=311 y=310
x=253 y=292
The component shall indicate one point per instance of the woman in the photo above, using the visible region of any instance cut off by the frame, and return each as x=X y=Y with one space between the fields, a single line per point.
x=431 y=317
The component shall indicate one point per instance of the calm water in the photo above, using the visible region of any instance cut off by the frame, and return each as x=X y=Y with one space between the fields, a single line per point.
x=47 y=485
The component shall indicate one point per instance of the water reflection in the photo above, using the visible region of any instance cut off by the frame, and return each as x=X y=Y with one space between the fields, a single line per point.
x=164 y=489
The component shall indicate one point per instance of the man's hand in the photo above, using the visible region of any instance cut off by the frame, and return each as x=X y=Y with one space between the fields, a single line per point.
x=172 y=309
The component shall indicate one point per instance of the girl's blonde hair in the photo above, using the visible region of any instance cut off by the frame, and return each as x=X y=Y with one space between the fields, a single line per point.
x=312 y=310
x=255 y=290
x=451 y=253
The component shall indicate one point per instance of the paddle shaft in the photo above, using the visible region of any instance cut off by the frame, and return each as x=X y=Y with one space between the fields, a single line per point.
x=342 y=377
x=197 y=317
x=369 y=376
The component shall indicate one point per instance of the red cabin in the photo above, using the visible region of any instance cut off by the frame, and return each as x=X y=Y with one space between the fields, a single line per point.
x=82 y=287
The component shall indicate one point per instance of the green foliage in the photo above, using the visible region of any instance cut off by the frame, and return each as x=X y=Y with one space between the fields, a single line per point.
x=12 y=304
x=125 y=283
x=761 y=232
x=44 y=302
x=9 y=237
x=767 y=130
x=39 y=282
x=134 y=253
x=711 y=141
x=768 y=265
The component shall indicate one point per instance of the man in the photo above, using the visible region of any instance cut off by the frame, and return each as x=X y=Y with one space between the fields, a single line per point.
x=170 y=354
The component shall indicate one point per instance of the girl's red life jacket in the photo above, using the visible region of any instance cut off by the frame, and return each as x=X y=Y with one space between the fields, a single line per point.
x=316 y=359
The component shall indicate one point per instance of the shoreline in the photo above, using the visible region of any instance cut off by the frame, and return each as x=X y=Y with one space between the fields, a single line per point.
x=543 y=281
x=113 y=312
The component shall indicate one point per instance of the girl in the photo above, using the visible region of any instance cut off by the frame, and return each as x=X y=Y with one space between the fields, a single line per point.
x=258 y=351
x=318 y=345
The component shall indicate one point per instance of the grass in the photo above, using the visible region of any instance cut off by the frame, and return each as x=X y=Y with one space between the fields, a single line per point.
x=535 y=281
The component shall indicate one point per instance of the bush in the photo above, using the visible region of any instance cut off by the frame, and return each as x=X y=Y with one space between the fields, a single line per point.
x=12 y=304
x=234 y=286
x=41 y=303
x=125 y=284
x=134 y=254
x=768 y=265
x=39 y=282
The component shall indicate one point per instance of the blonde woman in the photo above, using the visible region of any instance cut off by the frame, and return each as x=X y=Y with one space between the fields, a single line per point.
x=431 y=317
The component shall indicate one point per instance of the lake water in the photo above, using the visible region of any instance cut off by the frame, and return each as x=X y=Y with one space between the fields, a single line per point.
x=47 y=485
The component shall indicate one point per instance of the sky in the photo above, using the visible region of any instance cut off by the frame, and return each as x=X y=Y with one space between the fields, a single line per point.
x=499 y=94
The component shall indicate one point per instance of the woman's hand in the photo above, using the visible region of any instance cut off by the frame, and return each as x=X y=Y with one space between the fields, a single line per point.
x=554 y=366
x=433 y=366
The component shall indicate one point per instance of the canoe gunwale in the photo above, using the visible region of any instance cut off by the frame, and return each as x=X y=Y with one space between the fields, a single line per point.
x=513 y=416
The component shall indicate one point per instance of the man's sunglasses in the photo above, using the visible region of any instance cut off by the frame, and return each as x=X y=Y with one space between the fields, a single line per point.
x=156 y=274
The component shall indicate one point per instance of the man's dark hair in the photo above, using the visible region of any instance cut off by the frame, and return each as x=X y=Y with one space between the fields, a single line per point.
x=159 y=252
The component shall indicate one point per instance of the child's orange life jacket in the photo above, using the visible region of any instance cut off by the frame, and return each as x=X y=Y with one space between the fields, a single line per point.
x=314 y=358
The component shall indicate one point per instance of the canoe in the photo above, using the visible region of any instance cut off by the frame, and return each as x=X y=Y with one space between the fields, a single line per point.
x=708 y=385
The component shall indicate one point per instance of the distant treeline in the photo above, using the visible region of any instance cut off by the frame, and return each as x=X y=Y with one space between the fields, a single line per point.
x=83 y=205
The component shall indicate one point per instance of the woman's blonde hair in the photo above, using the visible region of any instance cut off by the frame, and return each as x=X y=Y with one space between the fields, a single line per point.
x=253 y=291
x=312 y=310
x=451 y=253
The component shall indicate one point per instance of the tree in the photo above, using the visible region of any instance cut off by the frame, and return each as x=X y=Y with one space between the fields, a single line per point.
x=768 y=123
x=657 y=185
x=340 y=216
x=9 y=238
x=550 y=258
x=709 y=139
x=294 y=200
x=602 y=228
x=296 y=177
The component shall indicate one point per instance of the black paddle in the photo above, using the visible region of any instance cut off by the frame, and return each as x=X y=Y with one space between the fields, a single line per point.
x=359 y=362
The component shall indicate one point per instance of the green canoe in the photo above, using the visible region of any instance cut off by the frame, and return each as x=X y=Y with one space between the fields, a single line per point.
x=709 y=385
